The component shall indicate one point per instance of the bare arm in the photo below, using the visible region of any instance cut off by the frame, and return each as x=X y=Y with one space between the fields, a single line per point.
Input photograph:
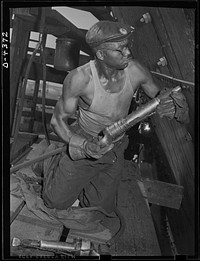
x=67 y=105
x=144 y=79
x=173 y=106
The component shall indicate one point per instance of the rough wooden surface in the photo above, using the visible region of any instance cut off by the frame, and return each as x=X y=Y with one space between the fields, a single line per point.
x=163 y=194
x=139 y=237
x=169 y=35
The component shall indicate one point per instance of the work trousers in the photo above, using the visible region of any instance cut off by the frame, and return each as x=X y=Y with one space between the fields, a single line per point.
x=93 y=182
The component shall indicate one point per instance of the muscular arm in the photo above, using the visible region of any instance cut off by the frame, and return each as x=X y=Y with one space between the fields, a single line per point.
x=173 y=106
x=143 y=77
x=67 y=104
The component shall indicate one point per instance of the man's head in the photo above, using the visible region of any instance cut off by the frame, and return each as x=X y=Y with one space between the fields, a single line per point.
x=109 y=40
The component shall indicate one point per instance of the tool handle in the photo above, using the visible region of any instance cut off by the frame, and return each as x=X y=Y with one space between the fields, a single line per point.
x=57 y=245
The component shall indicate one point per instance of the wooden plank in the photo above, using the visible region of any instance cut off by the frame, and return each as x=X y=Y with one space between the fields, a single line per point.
x=179 y=152
x=181 y=39
x=176 y=139
x=163 y=193
x=177 y=40
x=180 y=155
x=139 y=237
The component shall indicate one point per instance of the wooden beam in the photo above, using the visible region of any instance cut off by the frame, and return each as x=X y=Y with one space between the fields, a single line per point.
x=139 y=237
x=174 y=37
x=178 y=48
x=162 y=193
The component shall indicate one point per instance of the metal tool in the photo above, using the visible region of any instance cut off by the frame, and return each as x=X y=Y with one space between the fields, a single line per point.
x=111 y=133
x=184 y=84
x=41 y=157
x=78 y=247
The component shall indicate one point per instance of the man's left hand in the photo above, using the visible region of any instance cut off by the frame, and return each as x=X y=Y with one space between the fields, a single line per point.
x=166 y=107
x=174 y=107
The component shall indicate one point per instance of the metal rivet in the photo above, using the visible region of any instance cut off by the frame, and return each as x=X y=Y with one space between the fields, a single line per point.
x=146 y=18
x=162 y=61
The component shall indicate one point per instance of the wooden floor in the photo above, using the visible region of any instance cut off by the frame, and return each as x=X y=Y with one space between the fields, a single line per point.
x=138 y=239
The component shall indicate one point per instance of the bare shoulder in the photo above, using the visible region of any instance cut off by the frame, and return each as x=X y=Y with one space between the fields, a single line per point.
x=77 y=80
x=138 y=71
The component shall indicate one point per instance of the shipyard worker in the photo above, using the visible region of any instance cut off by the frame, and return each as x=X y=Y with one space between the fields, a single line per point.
x=101 y=92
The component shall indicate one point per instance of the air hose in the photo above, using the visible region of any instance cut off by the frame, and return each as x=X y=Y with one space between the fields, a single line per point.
x=44 y=74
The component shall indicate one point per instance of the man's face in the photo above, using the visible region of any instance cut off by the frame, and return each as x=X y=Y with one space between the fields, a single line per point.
x=116 y=54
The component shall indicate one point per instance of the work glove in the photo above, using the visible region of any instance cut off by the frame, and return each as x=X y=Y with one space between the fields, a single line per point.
x=166 y=106
x=80 y=148
x=174 y=107
x=181 y=107
x=95 y=149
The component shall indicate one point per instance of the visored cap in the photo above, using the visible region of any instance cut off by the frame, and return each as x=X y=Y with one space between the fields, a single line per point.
x=107 y=31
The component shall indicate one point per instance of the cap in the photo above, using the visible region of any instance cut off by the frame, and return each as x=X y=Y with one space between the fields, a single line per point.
x=107 y=31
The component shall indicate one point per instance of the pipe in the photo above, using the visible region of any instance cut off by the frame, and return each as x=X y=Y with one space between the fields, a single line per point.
x=173 y=79
x=41 y=157
x=44 y=74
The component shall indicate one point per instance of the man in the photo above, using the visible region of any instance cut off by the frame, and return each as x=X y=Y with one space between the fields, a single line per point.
x=102 y=91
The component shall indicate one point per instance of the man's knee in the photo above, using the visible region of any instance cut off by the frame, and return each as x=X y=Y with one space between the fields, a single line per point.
x=49 y=201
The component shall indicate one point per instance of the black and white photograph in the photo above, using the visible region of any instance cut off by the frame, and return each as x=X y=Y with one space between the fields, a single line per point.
x=102 y=159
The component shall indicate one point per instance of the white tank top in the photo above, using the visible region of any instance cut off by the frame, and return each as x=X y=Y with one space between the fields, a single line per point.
x=106 y=108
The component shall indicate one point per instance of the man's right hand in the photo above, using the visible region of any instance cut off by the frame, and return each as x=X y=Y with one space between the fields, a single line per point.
x=94 y=150
x=80 y=148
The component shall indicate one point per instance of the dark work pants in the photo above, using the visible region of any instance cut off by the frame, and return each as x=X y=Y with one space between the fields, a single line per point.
x=93 y=182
